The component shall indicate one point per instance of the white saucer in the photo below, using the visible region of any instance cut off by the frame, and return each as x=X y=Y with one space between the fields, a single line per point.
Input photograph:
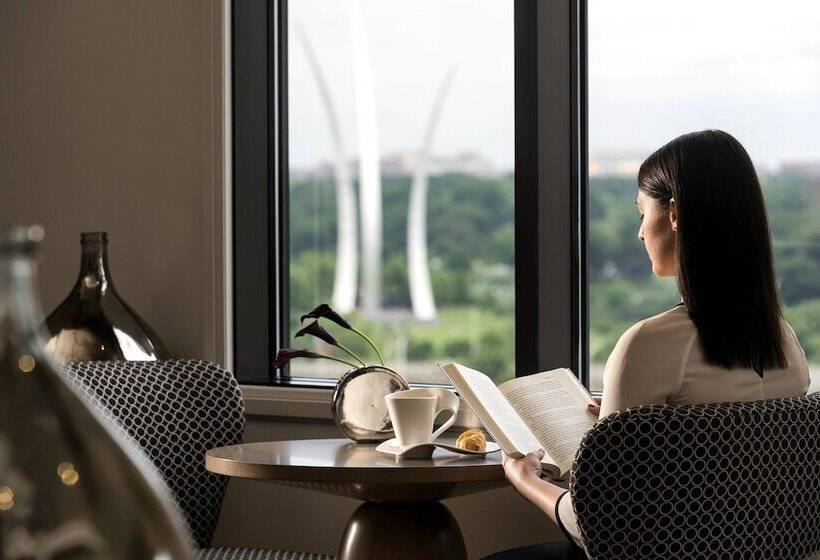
x=425 y=450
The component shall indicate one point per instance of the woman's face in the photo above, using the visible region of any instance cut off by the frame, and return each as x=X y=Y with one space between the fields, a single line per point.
x=658 y=232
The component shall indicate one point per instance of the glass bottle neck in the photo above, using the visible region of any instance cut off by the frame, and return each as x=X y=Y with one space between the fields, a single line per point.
x=94 y=273
x=19 y=302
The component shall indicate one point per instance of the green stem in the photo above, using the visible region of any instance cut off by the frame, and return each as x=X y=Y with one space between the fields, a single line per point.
x=370 y=342
x=335 y=359
x=351 y=353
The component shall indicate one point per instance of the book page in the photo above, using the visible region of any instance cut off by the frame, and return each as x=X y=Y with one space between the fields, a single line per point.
x=499 y=418
x=553 y=404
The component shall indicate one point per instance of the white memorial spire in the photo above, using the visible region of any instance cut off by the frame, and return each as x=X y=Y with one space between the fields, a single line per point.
x=347 y=258
x=370 y=187
x=421 y=291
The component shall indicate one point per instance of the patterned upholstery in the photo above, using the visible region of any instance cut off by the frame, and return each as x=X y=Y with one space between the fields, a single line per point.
x=731 y=480
x=256 y=554
x=175 y=410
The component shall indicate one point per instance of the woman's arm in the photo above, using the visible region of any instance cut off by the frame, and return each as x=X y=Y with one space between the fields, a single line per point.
x=525 y=476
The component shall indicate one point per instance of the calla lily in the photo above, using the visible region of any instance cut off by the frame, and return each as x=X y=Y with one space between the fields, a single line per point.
x=324 y=311
x=287 y=354
x=315 y=329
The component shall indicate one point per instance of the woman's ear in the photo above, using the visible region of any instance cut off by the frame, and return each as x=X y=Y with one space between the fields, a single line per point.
x=673 y=214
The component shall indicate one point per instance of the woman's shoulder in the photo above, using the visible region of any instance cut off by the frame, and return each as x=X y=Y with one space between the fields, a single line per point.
x=672 y=324
x=672 y=335
x=646 y=364
x=795 y=354
x=665 y=339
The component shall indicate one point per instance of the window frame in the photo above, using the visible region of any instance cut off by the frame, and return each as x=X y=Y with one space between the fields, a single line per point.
x=550 y=189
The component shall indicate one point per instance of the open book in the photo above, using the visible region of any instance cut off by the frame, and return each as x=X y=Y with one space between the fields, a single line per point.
x=545 y=410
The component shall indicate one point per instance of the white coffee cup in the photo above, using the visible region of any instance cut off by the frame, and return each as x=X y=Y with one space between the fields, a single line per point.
x=413 y=411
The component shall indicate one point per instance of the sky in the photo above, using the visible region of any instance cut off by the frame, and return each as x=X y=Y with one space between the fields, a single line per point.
x=657 y=69
x=660 y=69
x=412 y=46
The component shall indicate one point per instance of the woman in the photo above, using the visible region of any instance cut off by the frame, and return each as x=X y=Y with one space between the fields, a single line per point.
x=703 y=220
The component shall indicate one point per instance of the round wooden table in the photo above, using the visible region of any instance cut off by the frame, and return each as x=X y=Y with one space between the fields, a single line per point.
x=401 y=517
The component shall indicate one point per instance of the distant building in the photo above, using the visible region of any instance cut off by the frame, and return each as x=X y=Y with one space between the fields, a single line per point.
x=616 y=162
x=402 y=164
x=805 y=168
x=323 y=170
x=466 y=163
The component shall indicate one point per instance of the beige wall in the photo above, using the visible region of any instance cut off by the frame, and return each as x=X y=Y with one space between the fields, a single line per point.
x=110 y=119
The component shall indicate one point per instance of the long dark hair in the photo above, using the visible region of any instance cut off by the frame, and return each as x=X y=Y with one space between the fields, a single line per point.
x=724 y=250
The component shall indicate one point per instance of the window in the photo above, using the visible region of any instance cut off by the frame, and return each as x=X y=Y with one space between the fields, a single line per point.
x=656 y=73
x=401 y=200
x=476 y=102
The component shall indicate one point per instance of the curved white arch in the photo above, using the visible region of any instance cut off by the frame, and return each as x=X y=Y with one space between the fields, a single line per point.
x=370 y=186
x=347 y=256
x=418 y=272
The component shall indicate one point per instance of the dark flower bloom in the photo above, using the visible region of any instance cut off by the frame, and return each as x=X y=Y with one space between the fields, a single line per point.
x=287 y=354
x=323 y=311
x=315 y=329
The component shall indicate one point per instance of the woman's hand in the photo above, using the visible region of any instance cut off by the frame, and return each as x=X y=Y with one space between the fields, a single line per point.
x=522 y=471
x=595 y=408
x=525 y=476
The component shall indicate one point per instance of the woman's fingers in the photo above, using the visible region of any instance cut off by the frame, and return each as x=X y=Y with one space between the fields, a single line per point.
x=594 y=409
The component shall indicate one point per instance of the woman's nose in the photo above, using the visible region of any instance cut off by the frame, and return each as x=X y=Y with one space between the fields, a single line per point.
x=640 y=232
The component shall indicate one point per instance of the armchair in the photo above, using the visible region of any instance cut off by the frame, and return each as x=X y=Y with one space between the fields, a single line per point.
x=176 y=410
x=729 y=480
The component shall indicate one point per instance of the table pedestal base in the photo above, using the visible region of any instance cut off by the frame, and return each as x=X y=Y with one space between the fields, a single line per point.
x=402 y=531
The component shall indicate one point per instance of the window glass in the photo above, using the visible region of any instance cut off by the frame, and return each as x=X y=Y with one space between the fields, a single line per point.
x=401 y=131
x=655 y=73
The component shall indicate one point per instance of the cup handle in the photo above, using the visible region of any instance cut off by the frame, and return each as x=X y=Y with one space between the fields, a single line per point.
x=447 y=423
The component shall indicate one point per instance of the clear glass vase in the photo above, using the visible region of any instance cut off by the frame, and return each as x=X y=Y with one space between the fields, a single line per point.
x=70 y=488
x=93 y=322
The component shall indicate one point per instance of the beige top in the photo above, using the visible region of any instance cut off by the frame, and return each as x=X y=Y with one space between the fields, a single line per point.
x=659 y=360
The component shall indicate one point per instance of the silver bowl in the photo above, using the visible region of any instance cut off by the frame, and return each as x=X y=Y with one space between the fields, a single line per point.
x=358 y=402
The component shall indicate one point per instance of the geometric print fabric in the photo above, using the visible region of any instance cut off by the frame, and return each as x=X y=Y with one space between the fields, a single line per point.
x=710 y=481
x=256 y=554
x=175 y=410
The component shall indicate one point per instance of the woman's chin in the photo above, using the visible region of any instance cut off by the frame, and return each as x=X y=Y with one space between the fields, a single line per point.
x=662 y=272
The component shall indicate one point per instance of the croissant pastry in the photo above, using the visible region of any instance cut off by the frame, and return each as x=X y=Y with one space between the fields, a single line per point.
x=472 y=440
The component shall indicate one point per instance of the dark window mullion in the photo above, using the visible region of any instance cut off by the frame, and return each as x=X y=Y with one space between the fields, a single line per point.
x=279 y=184
x=549 y=238
x=580 y=184
x=251 y=281
x=526 y=192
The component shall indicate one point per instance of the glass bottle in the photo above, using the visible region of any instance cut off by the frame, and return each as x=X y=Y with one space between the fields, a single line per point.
x=70 y=489
x=93 y=322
